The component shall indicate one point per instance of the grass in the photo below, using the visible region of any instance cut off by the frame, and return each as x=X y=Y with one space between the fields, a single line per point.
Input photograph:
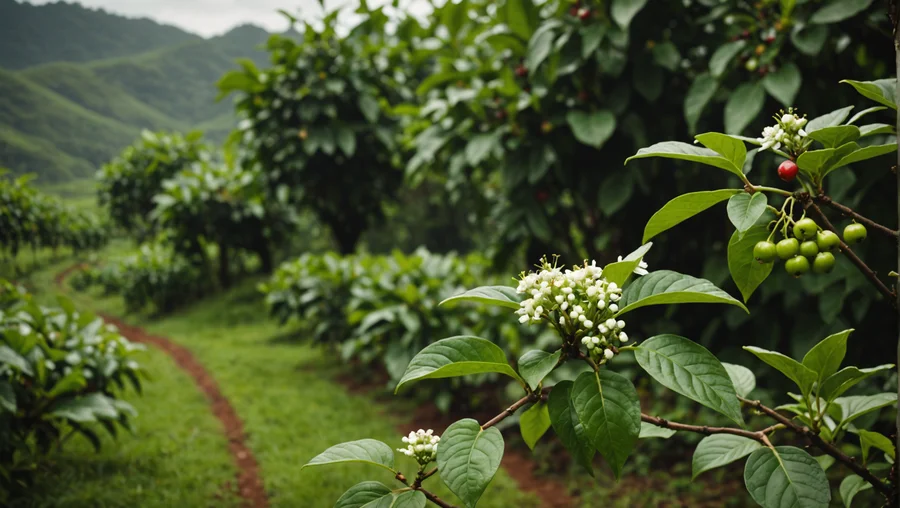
x=286 y=394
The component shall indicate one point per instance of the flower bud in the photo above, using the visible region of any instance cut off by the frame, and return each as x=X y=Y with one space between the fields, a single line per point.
x=613 y=307
x=608 y=354
x=588 y=324
x=623 y=337
x=620 y=324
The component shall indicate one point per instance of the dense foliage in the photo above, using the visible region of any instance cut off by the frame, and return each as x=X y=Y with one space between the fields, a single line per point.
x=60 y=373
x=29 y=218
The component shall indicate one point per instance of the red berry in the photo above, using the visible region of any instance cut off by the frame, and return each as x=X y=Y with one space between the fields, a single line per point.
x=745 y=34
x=584 y=13
x=770 y=39
x=521 y=71
x=583 y=96
x=787 y=171
x=542 y=196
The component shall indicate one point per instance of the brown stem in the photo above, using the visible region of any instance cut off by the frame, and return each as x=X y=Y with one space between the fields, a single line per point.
x=434 y=499
x=819 y=443
x=847 y=251
x=847 y=211
x=531 y=397
x=759 y=435
x=417 y=486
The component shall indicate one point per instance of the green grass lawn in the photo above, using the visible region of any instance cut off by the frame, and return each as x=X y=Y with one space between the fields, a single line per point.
x=286 y=394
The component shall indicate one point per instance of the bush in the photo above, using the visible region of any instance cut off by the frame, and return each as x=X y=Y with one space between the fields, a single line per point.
x=60 y=372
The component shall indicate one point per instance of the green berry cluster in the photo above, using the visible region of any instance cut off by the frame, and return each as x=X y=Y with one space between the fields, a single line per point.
x=809 y=247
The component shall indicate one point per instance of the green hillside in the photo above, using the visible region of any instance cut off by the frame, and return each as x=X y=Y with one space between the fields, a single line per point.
x=64 y=32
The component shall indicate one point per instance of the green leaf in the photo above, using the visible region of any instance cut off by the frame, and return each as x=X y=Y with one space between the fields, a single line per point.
x=838 y=10
x=457 y=356
x=743 y=378
x=743 y=106
x=608 y=406
x=468 y=458
x=369 y=107
x=825 y=357
x=623 y=11
x=868 y=439
x=701 y=91
x=688 y=368
x=619 y=271
x=810 y=39
x=836 y=117
x=480 y=146
x=723 y=56
x=346 y=140
x=875 y=128
x=406 y=499
x=794 y=370
x=851 y=486
x=536 y=364
x=539 y=48
x=833 y=137
x=70 y=383
x=534 y=423
x=592 y=129
x=666 y=55
x=7 y=397
x=825 y=461
x=786 y=476
x=567 y=426
x=684 y=207
x=648 y=430
x=719 y=450
x=500 y=296
x=860 y=114
x=854 y=406
x=846 y=378
x=726 y=146
x=688 y=152
x=362 y=494
x=864 y=153
x=10 y=357
x=744 y=210
x=664 y=287
x=784 y=83
x=882 y=91
x=591 y=37
x=368 y=451
x=86 y=409
x=521 y=17
x=746 y=272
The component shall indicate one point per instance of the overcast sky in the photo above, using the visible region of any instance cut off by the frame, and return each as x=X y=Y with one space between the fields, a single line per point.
x=213 y=17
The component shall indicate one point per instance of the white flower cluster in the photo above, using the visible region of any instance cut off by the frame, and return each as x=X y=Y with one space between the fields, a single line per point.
x=422 y=445
x=787 y=132
x=580 y=300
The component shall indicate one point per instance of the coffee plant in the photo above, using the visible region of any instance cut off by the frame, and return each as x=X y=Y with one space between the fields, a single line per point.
x=61 y=374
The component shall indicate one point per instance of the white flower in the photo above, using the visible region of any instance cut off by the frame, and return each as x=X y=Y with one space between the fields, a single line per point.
x=608 y=354
x=422 y=445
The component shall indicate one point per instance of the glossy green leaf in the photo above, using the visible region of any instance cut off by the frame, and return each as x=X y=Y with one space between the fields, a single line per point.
x=869 y=439
x=701 y=91
x=468 y=458
x=744 y=210
x=688 y=152
x=534 y=423
x=13 y=359
x=619 y=271
x=723 y=56
x=727 y=146
x=623 y=11
x=825 y=461
x=591 y=37
x=854 y=406
x=665 y=287
x=7 y=397
x=521 y=17
x=784 y=83
x=536 y=364
x=786 y=476
x=362 y=494
x=666 y=55
x=592 y=129
x=835 y=136
x=480 y=146
x=746 y=272
x=608 y=406
x=844 y=379
x=539 y=47
x=719 y=450
x=803 y=376
x=684 y=207
x=688 y=368
x=368 y=451
x=501 y=296
x=744 y=104
x=648 y=430
x=873 y=129
x=825 y=357
x=864 y=153
x=838 y=10
x=568 y=427
x=457 y=356
x=346 y=140
x=882 y=91
x=850 y=487
x=856 y=116
x=831 y=119
x=742 y=378
x=809 y=39
x=85 y=409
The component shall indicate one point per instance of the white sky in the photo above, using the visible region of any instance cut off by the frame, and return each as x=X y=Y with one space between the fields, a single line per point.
x=214 y=17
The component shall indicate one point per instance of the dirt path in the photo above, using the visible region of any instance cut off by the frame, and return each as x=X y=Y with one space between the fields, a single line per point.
x=250 y=485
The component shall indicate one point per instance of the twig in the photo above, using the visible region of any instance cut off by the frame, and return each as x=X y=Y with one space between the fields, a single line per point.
x=847 y=251
x=759 y=435
x=849 y=212
x=434 y=499
x=531 y=397
x=819 y=443
x=417 y=486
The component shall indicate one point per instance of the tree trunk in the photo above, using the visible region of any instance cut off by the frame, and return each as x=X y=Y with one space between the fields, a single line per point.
x=224 y=269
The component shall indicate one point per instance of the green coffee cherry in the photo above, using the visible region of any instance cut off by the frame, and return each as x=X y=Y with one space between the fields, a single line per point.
x=823 y=263
x=854 y=233
x=827 y=240
x=764 y=252
x=797 y=266
x=809 y=249
x=805 y=229
x=787 y=248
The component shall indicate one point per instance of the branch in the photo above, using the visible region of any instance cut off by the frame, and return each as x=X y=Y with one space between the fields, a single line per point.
x=847 y=211
x=819 y=443
x=759 y=435
x=434 y=499
x=860 y=265
x=428 y=495
x=531 y=397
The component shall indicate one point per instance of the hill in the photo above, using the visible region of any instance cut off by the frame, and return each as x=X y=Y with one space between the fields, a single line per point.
x=64 y=32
